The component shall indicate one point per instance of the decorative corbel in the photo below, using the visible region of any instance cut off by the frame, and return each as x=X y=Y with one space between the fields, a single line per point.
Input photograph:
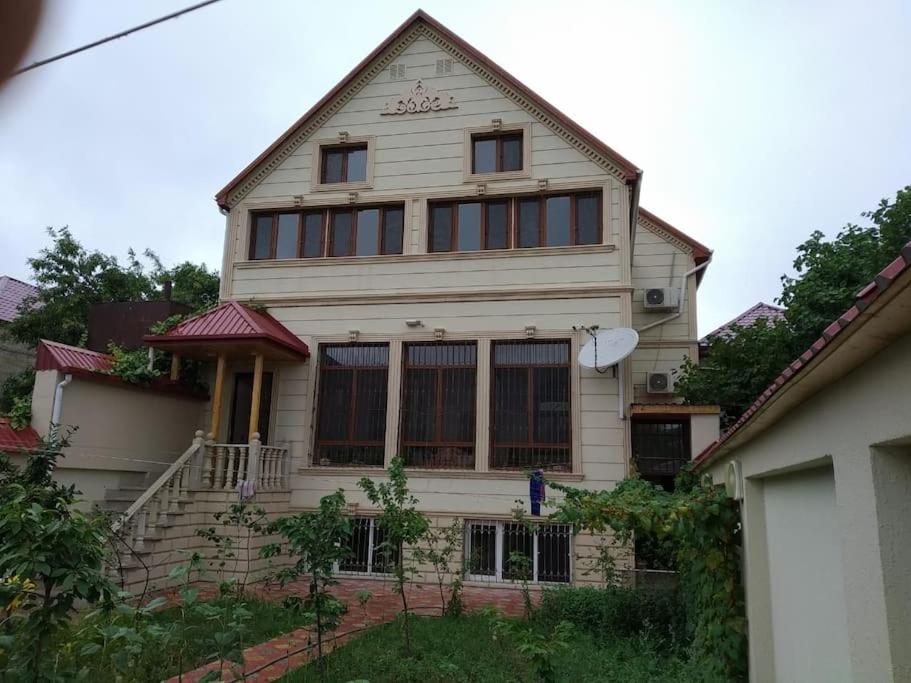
x=530 y=331
x=298 y=200
x=343 y=136
x=352 y=197
x=497 y=124
x=542 y=185
x=438 y=333
x=353 y=335
x=482 y=189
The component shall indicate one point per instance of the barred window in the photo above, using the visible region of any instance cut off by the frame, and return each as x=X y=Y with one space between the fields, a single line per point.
x=438 y=405
x=351 y=410
x=530 y=405
x=369 y=553
x=660 y=448
x=511 y=551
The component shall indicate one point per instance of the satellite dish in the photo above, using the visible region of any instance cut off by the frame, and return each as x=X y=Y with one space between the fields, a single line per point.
x=608 y=348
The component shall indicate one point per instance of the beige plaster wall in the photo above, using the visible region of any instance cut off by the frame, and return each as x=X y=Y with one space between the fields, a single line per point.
x=858 y=424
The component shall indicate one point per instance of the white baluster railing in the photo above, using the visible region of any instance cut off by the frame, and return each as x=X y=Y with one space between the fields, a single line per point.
x=165 y=495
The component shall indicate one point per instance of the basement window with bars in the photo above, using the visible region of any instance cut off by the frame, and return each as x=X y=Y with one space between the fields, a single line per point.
x=660 y=449
x=369 y=553
x=491 y=549
x=351 y=405
x=438 y=405
x=530 y=406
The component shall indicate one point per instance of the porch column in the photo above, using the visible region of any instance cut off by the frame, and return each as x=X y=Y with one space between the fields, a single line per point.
x=216 y=395
x=175 y=367
x=257 y=390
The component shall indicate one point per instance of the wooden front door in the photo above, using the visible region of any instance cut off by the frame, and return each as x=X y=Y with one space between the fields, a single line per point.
x=239 y=428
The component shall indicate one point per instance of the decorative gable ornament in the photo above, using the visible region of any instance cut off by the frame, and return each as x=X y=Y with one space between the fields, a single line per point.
x=419 y=99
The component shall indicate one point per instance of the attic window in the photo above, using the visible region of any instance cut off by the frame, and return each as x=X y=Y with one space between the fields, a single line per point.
x=397 y=72
x=444 y=66
x=343 y=164
x=496 y=153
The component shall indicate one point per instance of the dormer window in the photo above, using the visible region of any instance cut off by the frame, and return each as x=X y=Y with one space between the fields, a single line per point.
x=343 y=164
x=496 y=153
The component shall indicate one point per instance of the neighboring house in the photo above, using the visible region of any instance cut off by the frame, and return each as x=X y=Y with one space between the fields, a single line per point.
x=14 y=357
x=405 y=270
x=761 y=311
x=822 y=464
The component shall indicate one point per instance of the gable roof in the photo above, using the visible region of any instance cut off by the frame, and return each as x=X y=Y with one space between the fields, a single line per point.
x=415 y=21
x=229 y=322
x=848 y=324
x=701 y=253
x=12 y=293
x=53 y=355
x=747 y=318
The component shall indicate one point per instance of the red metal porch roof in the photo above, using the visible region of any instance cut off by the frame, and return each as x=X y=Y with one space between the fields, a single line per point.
x=232 y=321
x=56 y=356
x=13 y=441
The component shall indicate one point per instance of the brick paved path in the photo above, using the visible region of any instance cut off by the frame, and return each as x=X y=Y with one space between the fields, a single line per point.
x=270 y=660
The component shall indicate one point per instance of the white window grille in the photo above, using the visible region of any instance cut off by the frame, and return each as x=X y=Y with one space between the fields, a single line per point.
x=368 y=555
x=397 y=72
x=444 y=66
x=490 y=545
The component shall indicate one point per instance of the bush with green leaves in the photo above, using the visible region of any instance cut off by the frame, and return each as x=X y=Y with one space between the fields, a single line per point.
x=703 y=524
x=316 y=541
x=15 y=388
x=402 y=525
x=439 y=551
x=242 y=521
x=52 y=546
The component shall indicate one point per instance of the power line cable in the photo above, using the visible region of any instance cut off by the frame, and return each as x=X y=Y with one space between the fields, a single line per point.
x=102 y=41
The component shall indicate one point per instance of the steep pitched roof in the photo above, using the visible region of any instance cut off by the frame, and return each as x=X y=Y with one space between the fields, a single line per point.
x=419 y=18
x=14 y=441
x=747 y=318
x=12 y=293
x=849 y=323
x=232 y=321
x=701 y=253
x=65 y=358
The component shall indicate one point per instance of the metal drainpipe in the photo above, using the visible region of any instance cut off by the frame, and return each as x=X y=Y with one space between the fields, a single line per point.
x=683 y=278
x=58 y=400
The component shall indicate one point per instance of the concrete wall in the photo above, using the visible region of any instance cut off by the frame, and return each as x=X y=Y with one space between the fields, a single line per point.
x=14 y=358
x=860 y=426
x=125 y=435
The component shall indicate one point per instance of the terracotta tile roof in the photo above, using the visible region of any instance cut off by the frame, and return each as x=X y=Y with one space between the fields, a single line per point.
x=865 y=297
x=56 y=356
x=12 y=293
x=13 y=441
x=233 y=321
x=629 y=169
x=747 y=318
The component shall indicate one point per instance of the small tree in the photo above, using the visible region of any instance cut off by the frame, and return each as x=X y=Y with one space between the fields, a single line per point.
x=440 y=551
x=402 y=524
x=318 y=540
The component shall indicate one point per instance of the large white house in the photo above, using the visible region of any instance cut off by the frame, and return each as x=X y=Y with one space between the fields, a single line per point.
x=405 y=272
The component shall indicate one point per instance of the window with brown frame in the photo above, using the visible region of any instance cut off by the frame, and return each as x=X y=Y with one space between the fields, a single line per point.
x=496 y=153
x=438 y=405
x=660 y=448
x=343 y=164
x=469 y=225
x=558 y=220
x=351 y=405
x=523 y=222
x=530 y=401
x=348 y=231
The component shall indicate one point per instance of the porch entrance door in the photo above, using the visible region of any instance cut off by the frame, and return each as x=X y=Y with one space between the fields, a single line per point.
x=239 y=428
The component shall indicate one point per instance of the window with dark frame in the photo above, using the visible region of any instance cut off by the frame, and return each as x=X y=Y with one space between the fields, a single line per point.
x=343 y=164
x=530 y=405
x=517 y=222
x=469 y=225
x=351 y=405
x=343 y=231
x=660 y=447
x=368 y=554
x=496 y=152
x=438 y=405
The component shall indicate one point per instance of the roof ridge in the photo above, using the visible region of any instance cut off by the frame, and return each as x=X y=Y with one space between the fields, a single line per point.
x=81 y=349
x=244 y=313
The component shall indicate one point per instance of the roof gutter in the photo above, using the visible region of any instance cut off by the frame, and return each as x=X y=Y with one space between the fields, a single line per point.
x=634 y=212
x=679 y=311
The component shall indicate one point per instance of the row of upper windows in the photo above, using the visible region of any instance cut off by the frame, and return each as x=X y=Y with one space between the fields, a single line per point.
x=490 y=153
x=468 y=225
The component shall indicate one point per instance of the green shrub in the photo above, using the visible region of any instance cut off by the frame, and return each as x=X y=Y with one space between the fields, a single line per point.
x=616 y=611
x=16 y=387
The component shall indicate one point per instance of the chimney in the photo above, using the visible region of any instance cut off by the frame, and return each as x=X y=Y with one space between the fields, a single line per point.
x=166 y=290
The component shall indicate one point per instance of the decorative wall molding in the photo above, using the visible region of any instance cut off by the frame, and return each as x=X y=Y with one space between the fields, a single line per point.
x=419 y=99
x=663 y=234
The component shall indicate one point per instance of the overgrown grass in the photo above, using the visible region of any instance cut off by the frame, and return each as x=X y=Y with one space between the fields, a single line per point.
x=466 y=649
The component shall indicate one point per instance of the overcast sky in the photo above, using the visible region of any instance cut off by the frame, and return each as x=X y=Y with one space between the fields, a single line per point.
x=755 y=123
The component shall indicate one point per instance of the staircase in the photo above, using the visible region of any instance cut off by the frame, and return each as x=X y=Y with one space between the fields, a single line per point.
x=155 y=526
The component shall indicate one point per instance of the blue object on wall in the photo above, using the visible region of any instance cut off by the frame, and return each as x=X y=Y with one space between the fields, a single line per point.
x=536 y=491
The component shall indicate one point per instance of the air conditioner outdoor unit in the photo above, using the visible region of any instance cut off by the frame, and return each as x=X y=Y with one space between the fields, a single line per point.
x=661 y=299
x=659 y=383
